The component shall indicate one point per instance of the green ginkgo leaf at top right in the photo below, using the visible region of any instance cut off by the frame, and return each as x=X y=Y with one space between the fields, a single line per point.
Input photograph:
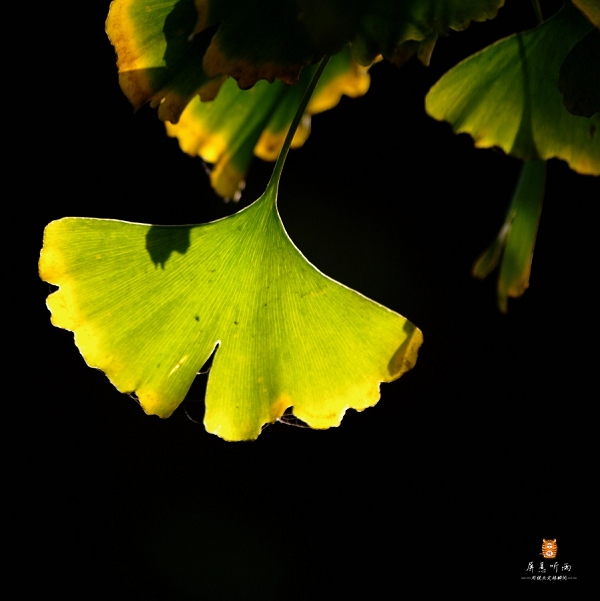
x=508 y=96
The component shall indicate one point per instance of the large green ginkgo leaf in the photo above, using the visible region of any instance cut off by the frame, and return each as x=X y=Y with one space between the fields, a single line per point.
x=149 y=305
x=507 y=95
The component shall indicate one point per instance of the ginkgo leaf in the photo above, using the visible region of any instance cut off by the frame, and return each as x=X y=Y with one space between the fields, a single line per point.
x=516 y=240
x=264 y=39
x=229 y=130
x=149 y=305
x=271 y=39
x=170 y=50
x=387 y=25
x=507 y=95
x=159 y=60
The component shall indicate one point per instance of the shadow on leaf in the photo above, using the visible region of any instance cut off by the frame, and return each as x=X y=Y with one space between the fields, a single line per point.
x=162 y=241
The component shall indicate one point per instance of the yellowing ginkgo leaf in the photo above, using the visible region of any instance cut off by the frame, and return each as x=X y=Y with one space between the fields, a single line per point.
x=158 y=58
x=237 y=124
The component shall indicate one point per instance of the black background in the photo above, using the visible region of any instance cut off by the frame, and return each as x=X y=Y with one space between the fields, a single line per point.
x=466 y=463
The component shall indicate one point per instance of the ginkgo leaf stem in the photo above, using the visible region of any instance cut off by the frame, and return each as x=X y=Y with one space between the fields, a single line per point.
x=274 y=181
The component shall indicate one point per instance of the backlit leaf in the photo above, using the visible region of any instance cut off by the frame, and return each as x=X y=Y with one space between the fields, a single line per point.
x=237 y=124
x=158 y=59
x=507 y=96
x=149 y=305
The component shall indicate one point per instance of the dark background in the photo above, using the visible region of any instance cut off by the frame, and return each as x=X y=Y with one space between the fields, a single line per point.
x=466 y=463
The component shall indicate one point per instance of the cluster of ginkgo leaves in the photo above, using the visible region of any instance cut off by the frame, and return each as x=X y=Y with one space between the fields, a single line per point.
x=149 y=305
